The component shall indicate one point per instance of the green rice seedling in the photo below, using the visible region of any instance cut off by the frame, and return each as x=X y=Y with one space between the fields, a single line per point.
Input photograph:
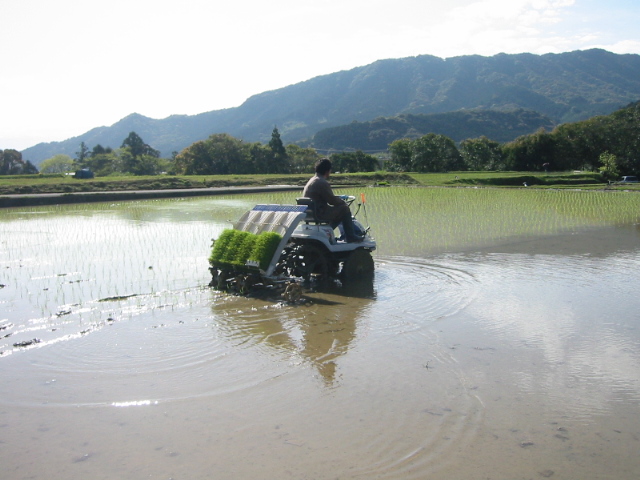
x=247 y=242
x=264 y=249
x=234 y=248
x=220 y=246
x=233 y=253
x=427 y=220
x=229 y=255
x=70 y=254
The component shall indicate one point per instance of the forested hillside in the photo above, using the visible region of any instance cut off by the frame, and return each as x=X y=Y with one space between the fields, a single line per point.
x=376 y=135
x=563 y=87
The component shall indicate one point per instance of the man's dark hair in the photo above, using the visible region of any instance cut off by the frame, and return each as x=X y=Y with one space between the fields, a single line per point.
x=323 y=166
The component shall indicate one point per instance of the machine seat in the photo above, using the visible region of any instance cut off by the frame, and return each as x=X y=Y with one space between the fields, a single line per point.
x=312 y=211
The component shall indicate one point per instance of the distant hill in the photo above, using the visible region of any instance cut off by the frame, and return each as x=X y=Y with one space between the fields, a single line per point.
x=563 y=87
x=377 y=134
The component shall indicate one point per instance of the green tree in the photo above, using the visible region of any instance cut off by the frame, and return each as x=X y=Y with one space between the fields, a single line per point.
x=29 y=168
x=219 y=154
x=194 y=159
x=579 y=144
x=57 y=164
x=99 y=150
x=401 y=154
x=609 y=168
x=481 y=154
x=435 y=153
x=279 y=159
x=261 y=160
x=104 y=164
x=301 y=160
x=137 y=151
x=571 y=148
x=82 y=155
x=622 y=132
x=530 y=152
x=349 y=162
x=11 y=163
x=137 y=146
x=150 y=165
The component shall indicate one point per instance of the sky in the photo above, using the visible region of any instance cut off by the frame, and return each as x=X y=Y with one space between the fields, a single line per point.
x=67 y=66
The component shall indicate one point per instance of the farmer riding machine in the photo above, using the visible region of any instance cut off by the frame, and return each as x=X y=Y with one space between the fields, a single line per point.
x=286 y=247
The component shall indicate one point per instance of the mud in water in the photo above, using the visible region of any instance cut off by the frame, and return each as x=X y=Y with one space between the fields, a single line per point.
x=519 y=359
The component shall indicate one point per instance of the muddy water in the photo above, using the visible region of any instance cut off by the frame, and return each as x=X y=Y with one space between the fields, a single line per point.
x=517 y=358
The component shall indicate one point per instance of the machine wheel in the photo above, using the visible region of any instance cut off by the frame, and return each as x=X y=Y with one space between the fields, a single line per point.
x=223 y=277
x=310 y=260
x=244 y=283
x=358 y=266
x=285 y=262
x=292 y=293
x=214 y=277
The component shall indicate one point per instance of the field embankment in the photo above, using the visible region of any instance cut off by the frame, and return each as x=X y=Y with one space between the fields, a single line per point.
x=49 y=189
x=52 y=189
x=34 y=184
x=512 y=179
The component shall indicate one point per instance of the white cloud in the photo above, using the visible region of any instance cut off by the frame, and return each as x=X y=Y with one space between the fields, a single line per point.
x=624 y=46
x=488 y=27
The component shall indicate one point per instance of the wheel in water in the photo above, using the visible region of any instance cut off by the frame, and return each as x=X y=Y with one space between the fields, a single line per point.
x=358 y=266
x=292 y=293
x=310 y=260
x=223 y=277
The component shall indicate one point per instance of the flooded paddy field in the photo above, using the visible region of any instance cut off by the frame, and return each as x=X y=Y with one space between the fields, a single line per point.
x=501 y=340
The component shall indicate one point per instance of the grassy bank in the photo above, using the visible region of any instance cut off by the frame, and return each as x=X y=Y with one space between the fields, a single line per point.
x=512 y=179
x=37 y=184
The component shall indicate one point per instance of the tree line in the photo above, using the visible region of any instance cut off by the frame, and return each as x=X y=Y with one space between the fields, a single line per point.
x=587 y=145
x=220 y=154
x=610 y=144
x=224 y=154
x=133 y=157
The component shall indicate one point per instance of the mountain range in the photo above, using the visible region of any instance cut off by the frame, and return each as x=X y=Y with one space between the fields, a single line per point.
x=549 y=89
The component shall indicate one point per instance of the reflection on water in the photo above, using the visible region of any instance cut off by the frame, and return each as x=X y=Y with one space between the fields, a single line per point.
x=318 y=331
x=578 y=315
x=514 y=357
